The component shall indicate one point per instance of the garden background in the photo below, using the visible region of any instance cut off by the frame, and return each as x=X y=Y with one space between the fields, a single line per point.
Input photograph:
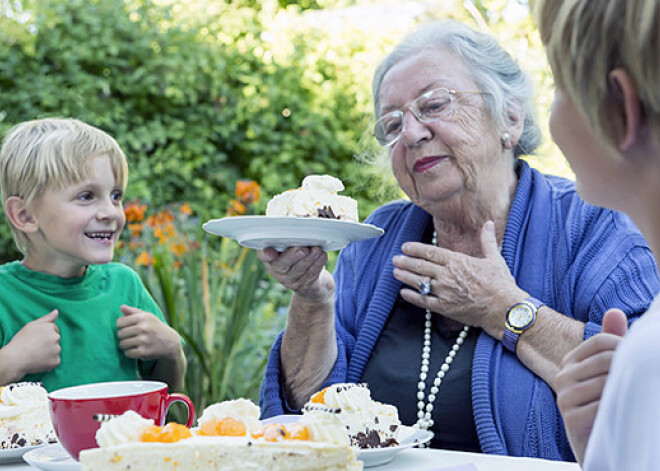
x=219 y=105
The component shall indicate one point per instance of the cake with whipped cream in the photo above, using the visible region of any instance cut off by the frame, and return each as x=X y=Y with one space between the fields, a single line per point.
x=317 y=197
x=24 y=416
x=228 y=437
x=369 y=423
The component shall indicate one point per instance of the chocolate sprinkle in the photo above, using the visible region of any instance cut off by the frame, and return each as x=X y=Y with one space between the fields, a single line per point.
x=326 y=212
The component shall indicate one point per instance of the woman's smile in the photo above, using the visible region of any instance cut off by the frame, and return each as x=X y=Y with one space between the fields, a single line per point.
x=425 y=163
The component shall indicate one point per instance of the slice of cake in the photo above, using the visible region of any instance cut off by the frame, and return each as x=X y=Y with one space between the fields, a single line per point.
x=317 y=198
x=24 y=416
x=228 y=437
x=370 y=424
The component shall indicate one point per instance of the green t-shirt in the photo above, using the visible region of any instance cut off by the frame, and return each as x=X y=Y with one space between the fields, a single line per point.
x=88 y=312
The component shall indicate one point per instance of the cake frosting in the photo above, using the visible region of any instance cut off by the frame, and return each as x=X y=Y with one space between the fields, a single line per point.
x=24 y=416
x=317 y=197
x=240 y=410
x=228 y=436
x=369 y=423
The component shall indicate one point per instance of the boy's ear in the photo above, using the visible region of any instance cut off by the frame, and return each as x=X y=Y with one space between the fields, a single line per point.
x=20 y=216
x=626 y=112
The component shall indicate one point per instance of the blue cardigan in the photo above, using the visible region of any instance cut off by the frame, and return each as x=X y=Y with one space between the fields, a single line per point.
x=579 y=259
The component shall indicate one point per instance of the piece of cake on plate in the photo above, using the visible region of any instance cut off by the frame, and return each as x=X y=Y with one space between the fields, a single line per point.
x=369 y=423
x=228 y=437
x=24 y=416
x=317 y=197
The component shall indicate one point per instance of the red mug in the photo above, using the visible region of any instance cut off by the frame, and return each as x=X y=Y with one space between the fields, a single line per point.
x=75 y=410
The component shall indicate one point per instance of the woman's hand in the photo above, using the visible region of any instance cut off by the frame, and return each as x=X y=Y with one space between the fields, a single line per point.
x=309 y=349
x=300 y=269
x=470 y=290
x=581 y=381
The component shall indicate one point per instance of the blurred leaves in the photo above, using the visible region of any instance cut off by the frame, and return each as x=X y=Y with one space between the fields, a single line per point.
x=216 y=294
x=204 y=93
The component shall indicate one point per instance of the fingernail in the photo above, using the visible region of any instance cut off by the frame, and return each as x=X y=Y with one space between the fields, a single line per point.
x=490 y=227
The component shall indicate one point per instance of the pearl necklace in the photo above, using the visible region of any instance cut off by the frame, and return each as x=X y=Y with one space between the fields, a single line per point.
x=425 y=409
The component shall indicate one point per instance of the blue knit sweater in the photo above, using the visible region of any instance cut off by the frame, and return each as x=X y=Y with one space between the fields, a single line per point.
x=579 y=259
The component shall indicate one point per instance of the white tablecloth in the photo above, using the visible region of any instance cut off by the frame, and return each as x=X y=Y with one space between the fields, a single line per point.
x=436 y=460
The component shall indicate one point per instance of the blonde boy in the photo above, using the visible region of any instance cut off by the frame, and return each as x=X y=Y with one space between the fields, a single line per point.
x=67 y=315
x=605 y=56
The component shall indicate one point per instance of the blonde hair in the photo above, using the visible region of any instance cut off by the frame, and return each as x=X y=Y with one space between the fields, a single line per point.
x=52 y=153
x=586 y=40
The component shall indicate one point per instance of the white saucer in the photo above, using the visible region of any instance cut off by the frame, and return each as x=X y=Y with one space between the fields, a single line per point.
x=259 y=232
x=14 y=455
x=51 y=458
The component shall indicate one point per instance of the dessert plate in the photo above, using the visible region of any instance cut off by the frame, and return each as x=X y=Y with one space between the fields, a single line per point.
x=14 y=455
x=51 y=458
x=408 y=438
x=259 y=232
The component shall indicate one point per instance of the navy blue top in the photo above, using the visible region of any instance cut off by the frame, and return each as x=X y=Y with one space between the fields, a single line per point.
x=393 y=373
x=579 y=259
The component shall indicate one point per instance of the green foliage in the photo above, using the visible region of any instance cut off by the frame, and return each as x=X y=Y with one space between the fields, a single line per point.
x=203 y=94
x=196 y=102
x=214 y=293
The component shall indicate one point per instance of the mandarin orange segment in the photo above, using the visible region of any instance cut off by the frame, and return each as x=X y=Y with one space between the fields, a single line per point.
x=226 y=427
x=319 y=397
x=272 y=433
x=298 y=432
x=170 y=433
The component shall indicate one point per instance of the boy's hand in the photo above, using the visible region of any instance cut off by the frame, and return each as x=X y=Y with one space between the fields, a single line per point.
x=34 y=349
x=144 y=336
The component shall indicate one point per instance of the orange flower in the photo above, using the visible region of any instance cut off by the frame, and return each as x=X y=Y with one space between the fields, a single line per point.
x=160 y=218
x=185 y=209
x=236 y=208
x=248 y=191
x=144 y=259
x=136 y=229
x=134 y=211
x=178 y=248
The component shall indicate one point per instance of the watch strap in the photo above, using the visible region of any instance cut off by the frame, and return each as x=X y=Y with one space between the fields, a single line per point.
x=511 y=337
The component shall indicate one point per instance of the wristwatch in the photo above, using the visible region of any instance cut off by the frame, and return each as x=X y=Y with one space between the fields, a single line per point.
x=519 y=318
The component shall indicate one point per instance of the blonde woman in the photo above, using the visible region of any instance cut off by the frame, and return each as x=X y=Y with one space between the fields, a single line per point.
x=606 y=119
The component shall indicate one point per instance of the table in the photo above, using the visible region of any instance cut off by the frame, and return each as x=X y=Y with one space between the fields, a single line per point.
x=415 y=459
x=436 y=460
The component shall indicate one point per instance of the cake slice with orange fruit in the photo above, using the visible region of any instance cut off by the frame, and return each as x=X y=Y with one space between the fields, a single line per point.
x=369 y=423
x=228 y=436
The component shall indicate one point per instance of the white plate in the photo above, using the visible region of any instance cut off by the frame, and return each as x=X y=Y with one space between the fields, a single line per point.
x=14 y=455
x=408 y=438
x=51 y=458
x=259 y=232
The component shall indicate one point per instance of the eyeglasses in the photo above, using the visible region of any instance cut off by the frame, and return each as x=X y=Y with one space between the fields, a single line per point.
x=432 y=106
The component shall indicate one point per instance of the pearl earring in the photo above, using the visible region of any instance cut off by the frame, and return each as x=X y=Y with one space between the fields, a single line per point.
x=506 y=140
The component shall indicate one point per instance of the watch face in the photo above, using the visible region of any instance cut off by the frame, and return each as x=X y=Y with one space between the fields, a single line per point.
x=520 y=316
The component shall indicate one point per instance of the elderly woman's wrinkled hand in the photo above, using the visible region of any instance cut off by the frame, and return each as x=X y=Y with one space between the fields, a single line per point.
x=467 y=289
x=300 y=269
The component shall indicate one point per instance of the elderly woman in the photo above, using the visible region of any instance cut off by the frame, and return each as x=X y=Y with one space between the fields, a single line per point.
x=461 y=313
